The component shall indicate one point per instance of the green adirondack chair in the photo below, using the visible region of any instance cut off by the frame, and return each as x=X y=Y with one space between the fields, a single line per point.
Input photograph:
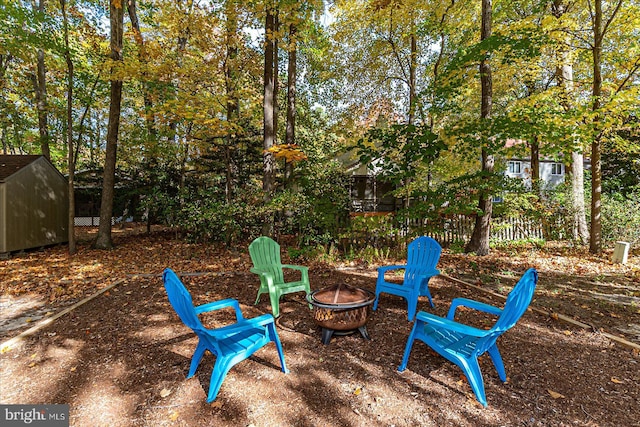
x=265 y=254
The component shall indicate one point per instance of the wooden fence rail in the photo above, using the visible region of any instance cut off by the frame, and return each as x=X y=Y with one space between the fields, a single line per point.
x=453 y=229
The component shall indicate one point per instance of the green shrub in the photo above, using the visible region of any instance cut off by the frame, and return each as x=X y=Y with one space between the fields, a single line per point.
x=621 y=218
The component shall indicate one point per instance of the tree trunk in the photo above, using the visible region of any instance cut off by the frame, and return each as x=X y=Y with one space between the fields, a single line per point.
x=40 y=87
x=103 y=240
x=580 y=230
x=146 y=91
x=291 y=99
x=231 y=71
x=564 y=77
x=268 y=104
x=71 y=157
x=412 y=74
x=595 y=245
x=535 y=165
x=276 y=69
x=479 y=242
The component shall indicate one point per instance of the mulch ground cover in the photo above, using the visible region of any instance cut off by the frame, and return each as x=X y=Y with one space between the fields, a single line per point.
x=121 y=359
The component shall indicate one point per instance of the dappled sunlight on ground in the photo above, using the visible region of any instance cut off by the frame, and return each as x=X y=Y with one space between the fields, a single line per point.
x=122 y=358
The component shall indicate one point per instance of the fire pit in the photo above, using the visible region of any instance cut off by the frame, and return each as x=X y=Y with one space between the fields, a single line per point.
x=341 y=309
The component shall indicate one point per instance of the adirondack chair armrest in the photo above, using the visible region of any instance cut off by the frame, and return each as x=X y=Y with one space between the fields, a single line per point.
x=217 y=305
x=242 y=325
x=263 y=273
x=382 y=270
x=451 y=325
x=476 y=305
x=296 y=267
x=430 y=273
x=304 y=271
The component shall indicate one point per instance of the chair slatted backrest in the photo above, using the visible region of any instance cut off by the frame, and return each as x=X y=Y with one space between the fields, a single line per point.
x=265 y=255
x=423 y=254
x=517 y=302
x=181 y=301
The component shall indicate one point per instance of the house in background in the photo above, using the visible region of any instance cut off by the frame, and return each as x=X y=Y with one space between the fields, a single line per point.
x=551 y=172
x=34 y=203
x=367 y=191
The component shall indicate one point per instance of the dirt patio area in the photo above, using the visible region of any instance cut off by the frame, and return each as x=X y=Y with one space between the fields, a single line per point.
x=121 y=358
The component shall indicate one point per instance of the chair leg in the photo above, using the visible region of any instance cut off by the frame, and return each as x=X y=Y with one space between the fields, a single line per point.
x=196 y=358
x=412 y=307
x=275 y=303
x=375 y=301
x=276 y=340
x=497 y=362
x=424 y=290
x=257 y=298
x=471 y=370
x=220 y=370
x=407 y=349
x=308 y=291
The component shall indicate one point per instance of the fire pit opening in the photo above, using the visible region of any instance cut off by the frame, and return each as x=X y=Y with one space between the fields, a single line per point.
x=341 y=310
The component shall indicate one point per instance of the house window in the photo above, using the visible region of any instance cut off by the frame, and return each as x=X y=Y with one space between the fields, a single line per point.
x=515 y=168
x=556 y=168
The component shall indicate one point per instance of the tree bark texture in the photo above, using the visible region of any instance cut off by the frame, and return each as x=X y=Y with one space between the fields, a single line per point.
x=276 y=69
x=103 y=240
x=564 y=77
x=595 y=237
x=231 y=72
x=40 y=88
x=269 y=137
x=291 y=98
x=535 y=165
x=413 y=65
x=479 y=242
x=580 y=229
x=132 y=9
x=71 y=157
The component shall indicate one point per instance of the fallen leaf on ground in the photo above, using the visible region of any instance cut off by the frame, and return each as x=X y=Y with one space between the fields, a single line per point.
x=555 y=395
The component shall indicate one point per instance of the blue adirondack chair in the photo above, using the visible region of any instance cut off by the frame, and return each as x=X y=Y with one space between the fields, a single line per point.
x=265 y=255
x=229 y=344
x=423 y=254
x=462 y=344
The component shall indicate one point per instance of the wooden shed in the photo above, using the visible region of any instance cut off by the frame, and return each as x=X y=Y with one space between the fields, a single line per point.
x=34 y=203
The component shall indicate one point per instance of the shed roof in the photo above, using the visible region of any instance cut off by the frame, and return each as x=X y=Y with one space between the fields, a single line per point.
x=10 y=164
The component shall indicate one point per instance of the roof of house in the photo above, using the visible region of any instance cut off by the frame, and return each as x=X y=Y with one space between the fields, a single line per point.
x=10 y=164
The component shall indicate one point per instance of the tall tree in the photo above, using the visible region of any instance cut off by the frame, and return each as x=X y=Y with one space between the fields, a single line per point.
x=479 y=242
x=132 y=8
x=268 y=178
x=600 y=26
x=71 y=158
x=231 y=83
x=290 y=139
x=564 y=76
x=116 y=18
x=40 y=88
